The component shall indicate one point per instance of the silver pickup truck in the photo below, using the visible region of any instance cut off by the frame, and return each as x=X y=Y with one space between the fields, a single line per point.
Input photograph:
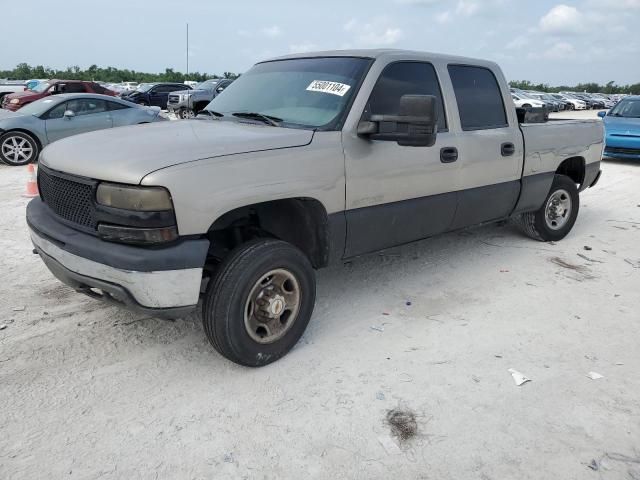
x=306 y=160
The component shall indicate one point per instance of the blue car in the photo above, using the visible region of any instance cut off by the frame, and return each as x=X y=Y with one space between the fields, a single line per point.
x=622 y=127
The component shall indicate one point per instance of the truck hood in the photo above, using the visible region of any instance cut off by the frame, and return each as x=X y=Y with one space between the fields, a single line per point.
x=128 y=154
x=622 y=125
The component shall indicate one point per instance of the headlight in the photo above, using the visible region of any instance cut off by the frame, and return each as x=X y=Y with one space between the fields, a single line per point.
x=15 y=101
x=140 y=199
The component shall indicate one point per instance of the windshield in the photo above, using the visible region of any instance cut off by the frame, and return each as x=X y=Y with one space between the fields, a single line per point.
x=41 y=87
x=144 y=87
x=206 y=85
x=626 y=108
x=302 y=92
x=39 y=107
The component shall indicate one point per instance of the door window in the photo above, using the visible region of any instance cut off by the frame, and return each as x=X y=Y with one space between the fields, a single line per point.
x=405 y=78
x=86 y=106
x=116 y=106
x=75 y=88
x=57 y=111
x=479 y=97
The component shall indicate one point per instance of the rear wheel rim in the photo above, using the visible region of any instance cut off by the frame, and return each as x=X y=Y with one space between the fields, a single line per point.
x=16 y=149
x=188 y=113
x=272 y=306
x=558 y=209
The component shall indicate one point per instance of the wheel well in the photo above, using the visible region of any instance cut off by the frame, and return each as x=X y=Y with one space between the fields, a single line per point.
x=199 y=106
x=303 y=222
x=574 y=168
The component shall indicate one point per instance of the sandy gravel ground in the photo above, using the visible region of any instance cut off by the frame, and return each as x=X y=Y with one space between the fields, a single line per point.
x=90 y=391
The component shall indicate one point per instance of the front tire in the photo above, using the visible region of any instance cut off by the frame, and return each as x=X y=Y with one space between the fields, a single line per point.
x=259 y=302
x=555 y=219
x=186 y=114
x=18 y=148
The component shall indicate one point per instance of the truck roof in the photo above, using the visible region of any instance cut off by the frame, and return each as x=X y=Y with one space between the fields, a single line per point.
x=375 y=53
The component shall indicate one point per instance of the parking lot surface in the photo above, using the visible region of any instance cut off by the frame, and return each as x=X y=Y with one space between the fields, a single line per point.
x=92 y=391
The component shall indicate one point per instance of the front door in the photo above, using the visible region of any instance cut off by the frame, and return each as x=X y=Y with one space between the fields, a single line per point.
x=399 y=194
x=89 y=114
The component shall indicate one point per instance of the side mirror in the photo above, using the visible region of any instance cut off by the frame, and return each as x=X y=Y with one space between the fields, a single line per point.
x=602 y=114
x=416 y=124
x=220 y=89
x=69 y=114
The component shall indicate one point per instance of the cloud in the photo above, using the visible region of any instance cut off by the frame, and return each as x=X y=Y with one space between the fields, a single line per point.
x=302 y=47
x=273 y=31
x=563 y=20
x=614 y=4
x=518 y=42
x=443 y=17
x=467 y=7
x=419 y=3
x=559 y=51
x=376 y=33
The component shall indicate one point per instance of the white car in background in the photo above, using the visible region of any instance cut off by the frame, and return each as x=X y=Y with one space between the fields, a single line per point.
x=576 y=102
x=129 y=86
x=524 y=102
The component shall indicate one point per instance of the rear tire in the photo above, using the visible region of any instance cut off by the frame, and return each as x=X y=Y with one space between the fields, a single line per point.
x=18 y=148
x=259 y=302
x=557 y=215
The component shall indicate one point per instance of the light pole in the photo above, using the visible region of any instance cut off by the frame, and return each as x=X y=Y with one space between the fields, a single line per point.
x=187 y=50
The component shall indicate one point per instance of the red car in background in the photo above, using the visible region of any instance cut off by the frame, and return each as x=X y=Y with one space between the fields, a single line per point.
x=15 y=101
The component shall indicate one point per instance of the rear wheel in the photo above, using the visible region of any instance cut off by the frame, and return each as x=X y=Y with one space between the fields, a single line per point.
x=555 y=219
x=259 y=302
x=18 y=148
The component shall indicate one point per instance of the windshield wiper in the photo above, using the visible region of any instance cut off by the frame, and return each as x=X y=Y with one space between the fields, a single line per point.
x=211 y=113
x=268 y=119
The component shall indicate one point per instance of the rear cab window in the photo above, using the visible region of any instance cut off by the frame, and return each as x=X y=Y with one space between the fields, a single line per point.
x=479 y=98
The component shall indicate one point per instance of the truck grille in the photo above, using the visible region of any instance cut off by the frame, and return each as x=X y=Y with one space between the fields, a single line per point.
x=174 y=99
x=69 y=199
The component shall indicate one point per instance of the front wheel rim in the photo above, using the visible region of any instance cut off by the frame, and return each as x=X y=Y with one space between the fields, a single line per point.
x=186 y=114
x=558 y=209
x=17 y=149
x=272 y=306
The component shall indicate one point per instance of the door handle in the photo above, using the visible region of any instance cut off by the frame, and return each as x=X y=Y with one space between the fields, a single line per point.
x=448 y=154
x=507 y=149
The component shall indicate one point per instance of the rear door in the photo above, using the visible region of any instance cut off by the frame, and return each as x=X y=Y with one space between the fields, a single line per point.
x=490 y=146
x=398 y=194
x=158 y=96
x=89 y=114
x=122 y=114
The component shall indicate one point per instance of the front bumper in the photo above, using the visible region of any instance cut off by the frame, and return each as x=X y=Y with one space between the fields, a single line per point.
x=175 y=107
x=158 y=281
x=622 y=146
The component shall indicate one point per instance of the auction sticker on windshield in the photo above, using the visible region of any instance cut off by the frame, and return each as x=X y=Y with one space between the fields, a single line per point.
x=325 y=86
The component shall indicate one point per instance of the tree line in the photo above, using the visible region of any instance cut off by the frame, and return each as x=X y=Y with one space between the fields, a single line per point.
x=608 y=88
x=24 y=71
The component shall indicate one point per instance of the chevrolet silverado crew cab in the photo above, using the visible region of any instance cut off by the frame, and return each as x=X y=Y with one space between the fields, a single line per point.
x=306 y=160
